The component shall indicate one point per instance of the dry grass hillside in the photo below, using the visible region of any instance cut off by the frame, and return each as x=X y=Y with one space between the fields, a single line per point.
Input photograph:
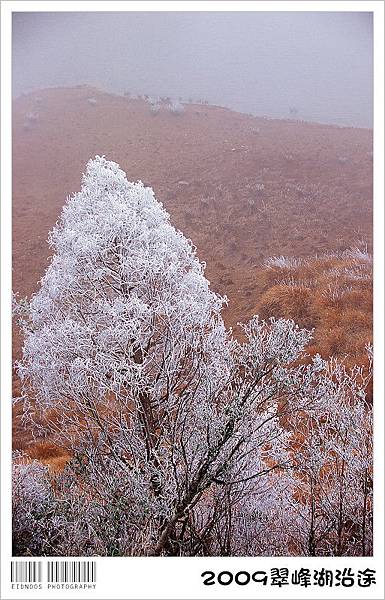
x=244 y=189
x=330 y=293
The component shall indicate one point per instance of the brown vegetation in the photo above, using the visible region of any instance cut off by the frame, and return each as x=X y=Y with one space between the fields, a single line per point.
x=330 y=293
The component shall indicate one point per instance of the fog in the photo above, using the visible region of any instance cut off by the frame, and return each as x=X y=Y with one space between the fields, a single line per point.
x=262 y=63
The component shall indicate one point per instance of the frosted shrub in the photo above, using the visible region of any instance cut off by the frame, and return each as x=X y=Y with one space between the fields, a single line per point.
x=333 y=465
x=359 y=254
x=359 y=272
x=335 y=292
x=263 y=523
x=176 y=108
x=52 y=514
x=32 y=117
x=153 y=100
x=282 y=262
x=30 y=120
x=155 y=109
x=32 y=500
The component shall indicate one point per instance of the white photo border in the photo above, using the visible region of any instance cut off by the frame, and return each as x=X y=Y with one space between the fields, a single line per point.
x=180 y=578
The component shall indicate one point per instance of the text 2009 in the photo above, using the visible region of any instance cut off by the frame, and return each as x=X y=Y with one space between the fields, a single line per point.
x=227 y=577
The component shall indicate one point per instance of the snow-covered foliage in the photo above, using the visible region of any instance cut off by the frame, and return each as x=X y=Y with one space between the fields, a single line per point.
x=155 y=109
x=333 y=466
x=360 y=254
x=176 y=108
x=32 y=117
x=32 y=500
x=153 y=100
x=171 y=422
x=282 y=262
x=30 y=120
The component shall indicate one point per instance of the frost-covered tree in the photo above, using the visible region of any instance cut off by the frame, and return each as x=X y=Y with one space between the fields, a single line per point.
x=332 y=461
x=178 y=433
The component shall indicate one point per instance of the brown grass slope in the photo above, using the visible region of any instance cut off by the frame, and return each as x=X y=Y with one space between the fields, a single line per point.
x=331 y=294
x=242 y=188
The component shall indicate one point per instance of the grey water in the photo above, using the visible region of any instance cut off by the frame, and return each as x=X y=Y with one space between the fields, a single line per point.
x=313 y=66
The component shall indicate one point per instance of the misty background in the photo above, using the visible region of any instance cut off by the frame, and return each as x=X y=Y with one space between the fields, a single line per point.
x=262 y=63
